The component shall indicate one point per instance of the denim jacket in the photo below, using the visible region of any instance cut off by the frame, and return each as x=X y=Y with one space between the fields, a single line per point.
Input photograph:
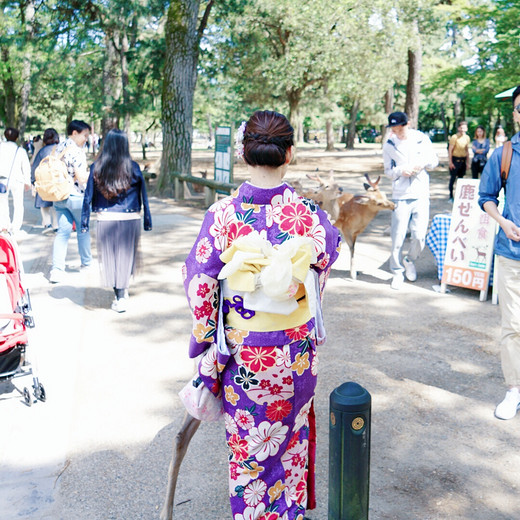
x=490 y=186
x=127 y=202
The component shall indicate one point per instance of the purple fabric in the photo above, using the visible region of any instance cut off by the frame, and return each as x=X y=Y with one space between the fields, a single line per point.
x=267 y=381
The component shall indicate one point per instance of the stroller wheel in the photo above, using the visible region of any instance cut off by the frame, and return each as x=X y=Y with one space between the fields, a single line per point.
x=40 y=393
x=27 y=396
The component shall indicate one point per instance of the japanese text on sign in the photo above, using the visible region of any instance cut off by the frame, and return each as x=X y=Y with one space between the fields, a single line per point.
x=469 y=253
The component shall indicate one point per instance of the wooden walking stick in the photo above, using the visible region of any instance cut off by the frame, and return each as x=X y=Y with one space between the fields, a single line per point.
x=180 y=446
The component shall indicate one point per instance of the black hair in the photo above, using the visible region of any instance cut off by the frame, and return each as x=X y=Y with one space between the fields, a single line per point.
x=516 y=93
x=267 y=137
x=113 y=167
x=11 y=134
x=78 y=126
x=50 y=136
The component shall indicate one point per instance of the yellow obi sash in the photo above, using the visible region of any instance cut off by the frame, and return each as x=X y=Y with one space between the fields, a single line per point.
x=264 y=286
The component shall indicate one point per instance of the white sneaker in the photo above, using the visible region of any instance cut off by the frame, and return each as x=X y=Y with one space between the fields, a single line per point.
x=397 y=281
x=119 y=305
x=409 y=269
x=56 y=275
x=508 y=407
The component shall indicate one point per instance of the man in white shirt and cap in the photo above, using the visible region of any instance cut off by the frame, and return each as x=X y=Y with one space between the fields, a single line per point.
x=406 y=155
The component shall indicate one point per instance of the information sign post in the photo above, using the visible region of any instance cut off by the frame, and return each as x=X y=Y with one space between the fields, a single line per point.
x=224 y=155
x=469 y=253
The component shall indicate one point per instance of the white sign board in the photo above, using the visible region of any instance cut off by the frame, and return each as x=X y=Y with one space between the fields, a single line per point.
x=469 y=253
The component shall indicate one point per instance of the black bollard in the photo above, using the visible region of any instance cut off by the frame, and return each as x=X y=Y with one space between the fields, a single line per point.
x=349 y=452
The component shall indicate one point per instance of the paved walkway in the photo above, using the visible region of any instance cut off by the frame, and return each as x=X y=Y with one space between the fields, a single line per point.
x=99 y=448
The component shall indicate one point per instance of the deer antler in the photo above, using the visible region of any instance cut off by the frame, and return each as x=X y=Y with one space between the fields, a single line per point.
x=372 y=184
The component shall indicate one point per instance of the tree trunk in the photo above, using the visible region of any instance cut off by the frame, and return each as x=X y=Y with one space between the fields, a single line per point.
x=9 y=91
x=330 y=136
x=413 y=85
x=123 y=53
x=210 y=128
x=389 y=108
x=26 y=70
x=351 y=134
x=294 y=118
x=180 y=76
x=444 y=123
x=111 y=85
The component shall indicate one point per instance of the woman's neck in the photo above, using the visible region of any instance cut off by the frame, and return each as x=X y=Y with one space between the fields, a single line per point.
x=264 y=177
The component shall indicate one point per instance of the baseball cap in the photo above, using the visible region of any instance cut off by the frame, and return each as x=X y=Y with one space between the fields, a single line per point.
x=397 y=119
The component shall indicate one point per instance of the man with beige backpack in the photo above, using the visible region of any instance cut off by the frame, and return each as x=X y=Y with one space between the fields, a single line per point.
x=72 y=153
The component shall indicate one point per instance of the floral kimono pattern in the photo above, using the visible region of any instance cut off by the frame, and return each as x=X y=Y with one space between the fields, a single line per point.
x=266 y=378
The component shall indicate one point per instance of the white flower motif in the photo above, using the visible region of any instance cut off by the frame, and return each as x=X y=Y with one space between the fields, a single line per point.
x=251 y=513
x=265 y=440
x=203 y=251
x=303 y=417
x=208 y=365
x=220 y=227
x=254 y=492
x=272 y=214
x=231 y=426
x=239 y=140
x=220 y=204
x=314 y=364
x=318 y=235
x=283 y=358
x=287 y=197
x=244 y=419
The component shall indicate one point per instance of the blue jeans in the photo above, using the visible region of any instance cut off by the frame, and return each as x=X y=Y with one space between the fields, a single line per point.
x=69 y=211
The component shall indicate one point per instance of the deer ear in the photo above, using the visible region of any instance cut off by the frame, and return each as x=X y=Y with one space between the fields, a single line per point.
x=367 y=186
x=361 y=199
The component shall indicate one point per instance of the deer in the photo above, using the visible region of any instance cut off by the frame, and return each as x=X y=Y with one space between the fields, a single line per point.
x=350 y=213
x=357 y=212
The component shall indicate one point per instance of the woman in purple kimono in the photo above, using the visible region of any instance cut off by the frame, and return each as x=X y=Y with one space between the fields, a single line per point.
x=260 y=262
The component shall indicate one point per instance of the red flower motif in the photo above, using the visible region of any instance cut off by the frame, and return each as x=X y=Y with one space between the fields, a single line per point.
x=271 y=515
x=297 y=333
x=203 y=290
x=233 y=471
x=287 y=380
x=238 y=447
x=265 y=383
x=296 y=219
x=278 y=410
x=275 y=389
x=204 y=310
x=238 y=229
x=293 y=441
x=301 y=490
x=259 y=359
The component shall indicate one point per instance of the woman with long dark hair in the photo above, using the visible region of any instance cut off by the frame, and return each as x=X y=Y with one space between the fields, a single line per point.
x=116 y=190
x=254 y=280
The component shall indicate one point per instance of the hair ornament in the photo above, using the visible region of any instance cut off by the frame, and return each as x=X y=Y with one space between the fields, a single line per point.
x=239 y=140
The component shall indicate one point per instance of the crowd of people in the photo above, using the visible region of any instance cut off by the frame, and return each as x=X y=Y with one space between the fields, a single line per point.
x=113 y=188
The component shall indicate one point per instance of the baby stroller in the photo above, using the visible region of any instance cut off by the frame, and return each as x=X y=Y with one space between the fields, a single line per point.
x=15 y=318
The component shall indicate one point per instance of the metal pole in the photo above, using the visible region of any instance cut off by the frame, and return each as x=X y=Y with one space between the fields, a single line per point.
x=349 y=452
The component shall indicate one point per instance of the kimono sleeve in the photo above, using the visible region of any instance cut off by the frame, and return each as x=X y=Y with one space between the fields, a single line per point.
x=332 y=244
x=200 y=273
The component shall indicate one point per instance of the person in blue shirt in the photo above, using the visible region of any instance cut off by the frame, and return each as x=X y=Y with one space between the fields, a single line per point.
x=480 y=147
x=507 y=249
x=116 y=191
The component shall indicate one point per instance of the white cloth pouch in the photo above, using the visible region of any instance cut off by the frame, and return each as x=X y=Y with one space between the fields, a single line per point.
x=200 y=402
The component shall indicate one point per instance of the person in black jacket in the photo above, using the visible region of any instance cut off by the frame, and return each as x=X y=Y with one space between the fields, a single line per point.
x=116 y=191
